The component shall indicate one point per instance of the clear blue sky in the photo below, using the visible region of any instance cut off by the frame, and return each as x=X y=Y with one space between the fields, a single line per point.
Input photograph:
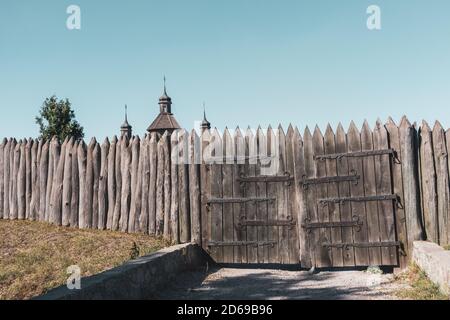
x=252 y=61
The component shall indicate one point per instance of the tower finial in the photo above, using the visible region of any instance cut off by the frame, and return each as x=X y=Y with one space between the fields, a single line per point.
x=126 y=113
x=165 y=92
x=204 y=110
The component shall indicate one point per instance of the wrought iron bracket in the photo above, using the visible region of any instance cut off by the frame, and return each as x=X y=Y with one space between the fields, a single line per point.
x=269 y=223
x=237 y=200
x=347 y=246
x=343 y=200
x=355 y=223
x=286 y=178
x=241 y=243
x=358 y=154
x=353 y=177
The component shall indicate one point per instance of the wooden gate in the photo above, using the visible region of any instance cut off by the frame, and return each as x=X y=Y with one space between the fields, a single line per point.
x=348 y=203
x=332 y=201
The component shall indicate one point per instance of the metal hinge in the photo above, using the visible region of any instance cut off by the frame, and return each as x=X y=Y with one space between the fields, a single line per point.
x=354 y=177
x=241 y=243
x=339 y=156
x=286 y=178
x=347 y=246
x=269 y=223
x=341 y=224
x=239 y=200
x=393 y=197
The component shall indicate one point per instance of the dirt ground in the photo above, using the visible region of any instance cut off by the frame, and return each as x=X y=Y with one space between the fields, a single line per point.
x=273 y=284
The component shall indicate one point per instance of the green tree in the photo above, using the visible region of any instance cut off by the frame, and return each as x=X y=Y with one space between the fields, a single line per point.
x=56 y=118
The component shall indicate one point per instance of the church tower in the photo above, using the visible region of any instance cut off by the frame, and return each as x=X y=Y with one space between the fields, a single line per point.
x=165 y=121
x=126 y=130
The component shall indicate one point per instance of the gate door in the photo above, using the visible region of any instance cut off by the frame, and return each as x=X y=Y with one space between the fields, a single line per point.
x=247 y=216
x=348 y=200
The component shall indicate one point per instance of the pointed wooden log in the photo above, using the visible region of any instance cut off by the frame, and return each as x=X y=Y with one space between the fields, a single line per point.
x=442 y=179
x=153 y=190
x=67 y=183
x=111 y=182
x=183 y=180
x=43 y=176
x=96 y=158
x=21 y=182
x=53 y=156
x=89 y=187
x=174 y=208
x=6 y=178
x=118 y=179
x=82 y=170
x=160 y=190
x=143 y=219
x=194 y=188
x=408 y=143
x=126 y=185
x=15 y=173
x=75 y=199
x=139 y=179
x=28 y=191
x=34 y=202
x=2 y=175
x=167 y=184
x=103 y=186
x=135 y=150
x=57 y=189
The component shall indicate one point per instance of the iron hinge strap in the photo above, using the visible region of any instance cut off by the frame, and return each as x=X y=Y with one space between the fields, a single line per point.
x=239 y=200
x=347 y=246
x=392 y=197
x=269 y=223
x=286 y=178
x=241 y=243
x=358 y=154
x=354 y=177
x=356 y=223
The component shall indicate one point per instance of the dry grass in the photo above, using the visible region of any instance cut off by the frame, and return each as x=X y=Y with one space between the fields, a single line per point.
x=34 y=256
x=419 y=286
x=447 y=247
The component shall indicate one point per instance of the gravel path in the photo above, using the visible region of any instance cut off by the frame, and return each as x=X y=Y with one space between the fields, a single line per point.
x=242 y=284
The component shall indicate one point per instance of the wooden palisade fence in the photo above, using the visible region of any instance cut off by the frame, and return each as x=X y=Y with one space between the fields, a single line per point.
x=136 y=186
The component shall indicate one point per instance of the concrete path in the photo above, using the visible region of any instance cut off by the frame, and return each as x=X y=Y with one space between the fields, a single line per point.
x=242 y=284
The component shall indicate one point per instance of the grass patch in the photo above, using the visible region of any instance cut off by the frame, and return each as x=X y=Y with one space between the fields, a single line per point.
x=447 y=247
x=421 y=288
x=34 y=256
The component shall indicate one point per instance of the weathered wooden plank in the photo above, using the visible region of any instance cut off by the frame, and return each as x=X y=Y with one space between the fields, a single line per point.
x=15 y=160
x=118 y=178
x=294 y=247
x=389 y=255
x=282 y=205
x=43 y=175
x=205 y=191
x=183 y=180
x=143 y=219
x=174 y=208
x=139 y=186
x=67 y=184
x=396 y=165
x=261 y=192
x=355 y=165
x=344 y=191
x=227 y=192
x=2 y=175
x=160 y=190
x=370 y=189
x=89 y=185
x=333 y=192
x=239 y=234
x=56 y=204
x=135 y=153
x=153 y=150
x=21 y=183
x=28 y=187
x=126 y=184
x=6 y=178
x=167 y=185
x=82 y=170
x=447 y=139
x=250 y=192
x=103 y=186
x=34 y=202
x=74 y=202
x=322 y=235
x=96 y=158
x=442 y=181
x=194 y=188
x=410 y=181
x=52 y=164
x=216 y=209
x=271 y=191
x=112 y=185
